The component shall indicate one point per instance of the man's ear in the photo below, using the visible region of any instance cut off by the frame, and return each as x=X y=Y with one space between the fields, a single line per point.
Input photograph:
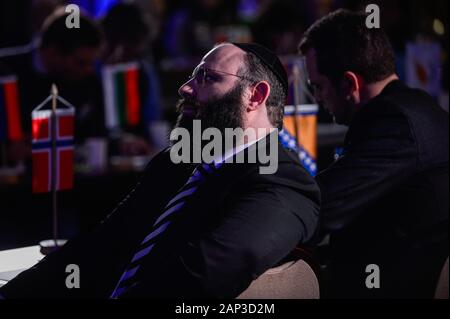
x=259 y=94
x=351 y=85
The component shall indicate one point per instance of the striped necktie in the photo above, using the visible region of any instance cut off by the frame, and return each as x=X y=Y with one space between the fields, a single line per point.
x=197 y=177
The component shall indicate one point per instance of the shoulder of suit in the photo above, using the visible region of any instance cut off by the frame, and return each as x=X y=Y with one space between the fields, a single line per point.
x=401 y=99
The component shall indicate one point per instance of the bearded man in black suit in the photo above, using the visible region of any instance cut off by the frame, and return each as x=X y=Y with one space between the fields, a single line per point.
x=203 y=229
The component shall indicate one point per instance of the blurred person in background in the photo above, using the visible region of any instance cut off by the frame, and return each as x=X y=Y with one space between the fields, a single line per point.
x=191 y=28
x=41 y=10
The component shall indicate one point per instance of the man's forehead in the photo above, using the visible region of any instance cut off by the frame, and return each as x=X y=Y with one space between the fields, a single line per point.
x=225 y=57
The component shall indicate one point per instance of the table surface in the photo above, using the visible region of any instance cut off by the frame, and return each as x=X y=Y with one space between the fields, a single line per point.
x=14 y=261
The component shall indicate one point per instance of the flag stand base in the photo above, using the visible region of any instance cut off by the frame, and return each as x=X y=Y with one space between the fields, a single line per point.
x=49 y=245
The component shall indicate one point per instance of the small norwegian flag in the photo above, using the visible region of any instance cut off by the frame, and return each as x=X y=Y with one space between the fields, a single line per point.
x=42 y=149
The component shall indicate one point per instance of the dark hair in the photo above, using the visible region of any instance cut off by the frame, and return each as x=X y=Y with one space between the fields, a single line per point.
x=67 y=40
x=124 y=23
x=255 y=69
x=343 y=43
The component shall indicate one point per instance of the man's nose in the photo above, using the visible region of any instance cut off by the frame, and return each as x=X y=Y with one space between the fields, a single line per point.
x=186 y=90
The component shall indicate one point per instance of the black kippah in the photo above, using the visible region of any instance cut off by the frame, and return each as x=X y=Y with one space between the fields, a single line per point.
x=269 y=58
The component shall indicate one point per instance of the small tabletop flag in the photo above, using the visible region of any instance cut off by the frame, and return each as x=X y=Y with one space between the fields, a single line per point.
x=10 y=120
x=300 y=120
x=42 y=143
x=121 y=95
x=305 y=144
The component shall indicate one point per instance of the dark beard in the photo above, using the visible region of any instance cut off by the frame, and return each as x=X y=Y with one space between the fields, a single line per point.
x=224 y=112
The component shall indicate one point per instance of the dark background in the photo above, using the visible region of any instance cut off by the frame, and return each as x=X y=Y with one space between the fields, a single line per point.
x=25 y=218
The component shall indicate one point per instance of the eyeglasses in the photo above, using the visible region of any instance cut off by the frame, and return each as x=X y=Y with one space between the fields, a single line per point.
x=204 y=75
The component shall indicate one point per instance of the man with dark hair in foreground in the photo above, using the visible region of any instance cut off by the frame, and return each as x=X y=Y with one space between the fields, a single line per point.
x=385 y=200
x=198 y=230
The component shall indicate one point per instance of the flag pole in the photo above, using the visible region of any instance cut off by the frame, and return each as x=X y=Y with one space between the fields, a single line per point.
x=54 y=94
x=296 y=74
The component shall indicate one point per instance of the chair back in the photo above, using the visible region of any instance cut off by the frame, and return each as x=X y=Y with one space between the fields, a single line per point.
x=442 y=285
x=292 y=280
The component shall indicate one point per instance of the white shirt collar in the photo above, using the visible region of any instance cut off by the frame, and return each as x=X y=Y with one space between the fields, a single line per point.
x=221 y=159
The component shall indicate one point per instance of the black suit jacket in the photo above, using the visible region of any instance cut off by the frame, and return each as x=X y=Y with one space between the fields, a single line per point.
x=237 y=224
x=385 y=201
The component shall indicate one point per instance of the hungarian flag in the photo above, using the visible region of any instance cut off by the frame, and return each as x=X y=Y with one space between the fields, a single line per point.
x=42 y=149
x=300 y=118
x=121 y=95
x=10 y=120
